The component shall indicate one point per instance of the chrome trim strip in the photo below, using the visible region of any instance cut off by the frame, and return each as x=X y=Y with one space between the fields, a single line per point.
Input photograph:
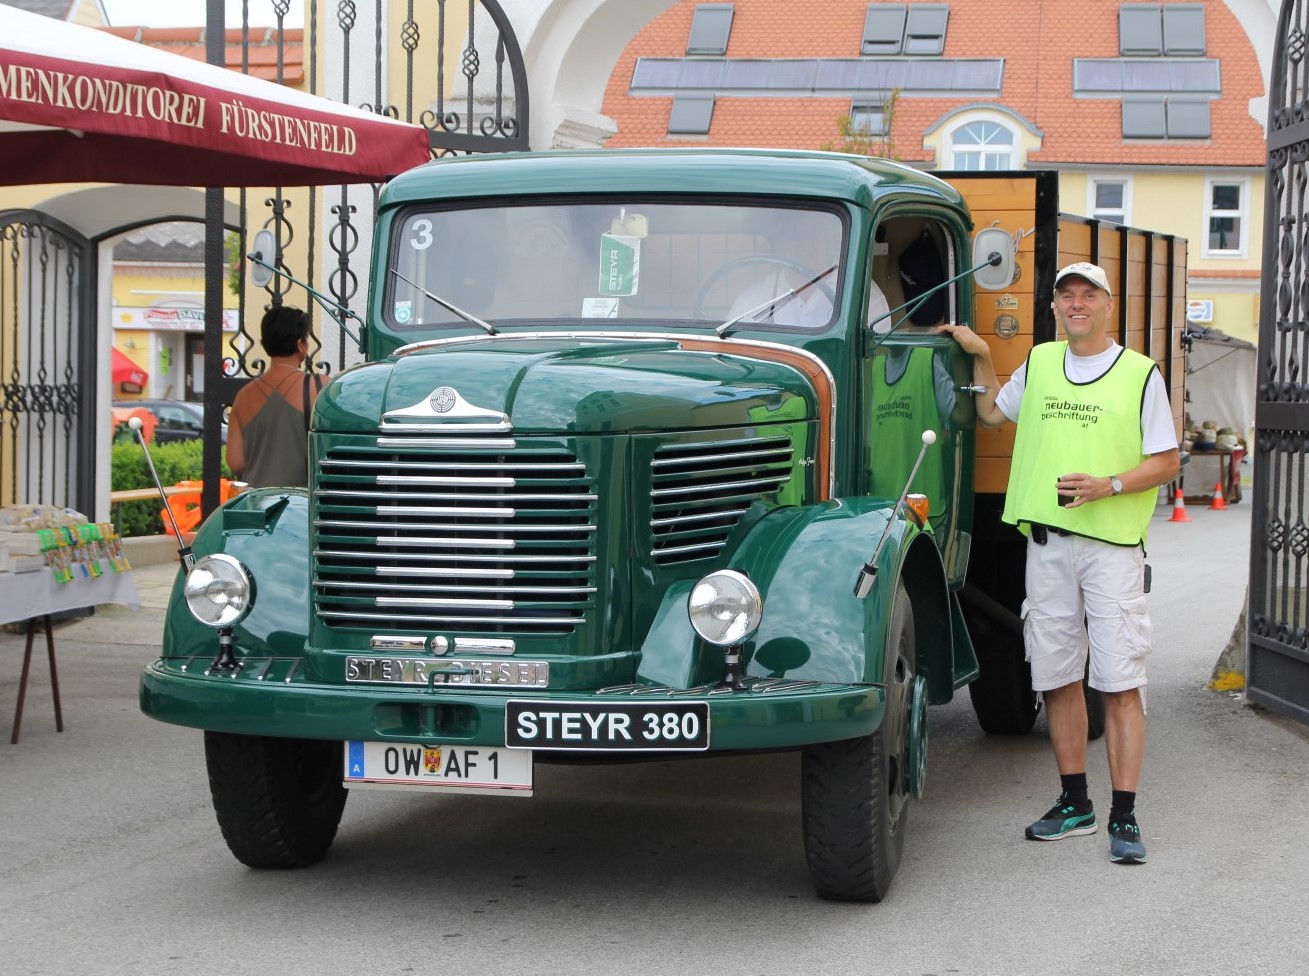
x=728 y=342
x=461 y=558
x=502 y=444
x=456 y=588
x=720 y=486
x=386 y=642
x=704 y=517
x=714 y=459
x=445 y=496
x=679 y=550
x=569 y=620
x=486 y=645
x=448 y=527
x=371 y=464
x=392 y=427
x=409 y=601
x=419 y=479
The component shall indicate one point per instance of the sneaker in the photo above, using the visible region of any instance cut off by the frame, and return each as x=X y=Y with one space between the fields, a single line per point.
x=1125 y=845
x=1064 y=819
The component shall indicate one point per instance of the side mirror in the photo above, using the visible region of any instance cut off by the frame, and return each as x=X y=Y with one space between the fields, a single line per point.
x=986 y=245
x=264 y=249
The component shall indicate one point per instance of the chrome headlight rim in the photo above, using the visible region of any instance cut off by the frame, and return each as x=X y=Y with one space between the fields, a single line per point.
x=725 y=607
x=219 y=591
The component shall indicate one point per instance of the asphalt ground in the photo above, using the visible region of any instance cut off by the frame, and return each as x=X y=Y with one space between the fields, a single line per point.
x=113 y=863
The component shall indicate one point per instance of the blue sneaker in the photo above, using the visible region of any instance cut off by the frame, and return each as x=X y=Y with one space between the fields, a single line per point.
x=1064 y=819
x=1125 y=846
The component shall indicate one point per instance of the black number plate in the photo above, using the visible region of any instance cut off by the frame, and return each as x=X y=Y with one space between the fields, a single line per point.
x=607 y=726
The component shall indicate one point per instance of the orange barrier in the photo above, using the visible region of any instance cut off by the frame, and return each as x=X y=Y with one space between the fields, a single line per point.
x=185 y=505
x=1218 y=505
x=1179 y=508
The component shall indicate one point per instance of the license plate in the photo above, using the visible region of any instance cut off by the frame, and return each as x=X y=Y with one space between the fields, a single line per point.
x=607 y=726
x=437 y=768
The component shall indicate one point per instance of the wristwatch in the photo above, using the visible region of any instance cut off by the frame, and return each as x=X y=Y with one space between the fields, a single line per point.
x=1115 y=484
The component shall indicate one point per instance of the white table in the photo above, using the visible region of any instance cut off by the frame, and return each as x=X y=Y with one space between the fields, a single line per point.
x=35 y=596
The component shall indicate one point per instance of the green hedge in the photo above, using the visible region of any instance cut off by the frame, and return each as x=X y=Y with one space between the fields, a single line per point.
x=178 y=461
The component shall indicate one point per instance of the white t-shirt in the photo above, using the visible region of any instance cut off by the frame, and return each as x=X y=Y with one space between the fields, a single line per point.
x=1157 y=431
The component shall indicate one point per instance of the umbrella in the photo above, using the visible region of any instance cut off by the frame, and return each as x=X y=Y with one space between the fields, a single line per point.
x=123 y=370
x=81 y=105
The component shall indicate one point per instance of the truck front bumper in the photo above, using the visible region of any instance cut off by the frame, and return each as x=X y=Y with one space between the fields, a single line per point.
x=270 y=697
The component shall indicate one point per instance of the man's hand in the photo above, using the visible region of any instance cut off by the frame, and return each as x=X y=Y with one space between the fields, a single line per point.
x=983 y=372
x=969 y=341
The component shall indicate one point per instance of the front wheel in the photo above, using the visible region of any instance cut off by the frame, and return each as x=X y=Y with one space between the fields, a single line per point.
x=855 y=793
x=278 y=801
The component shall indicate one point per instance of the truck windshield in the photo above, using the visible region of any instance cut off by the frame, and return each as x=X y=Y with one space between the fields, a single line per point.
x=652 y=263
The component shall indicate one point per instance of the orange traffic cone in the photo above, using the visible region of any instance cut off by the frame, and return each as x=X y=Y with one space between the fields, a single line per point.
x=1179 y=508
x=1218 y=505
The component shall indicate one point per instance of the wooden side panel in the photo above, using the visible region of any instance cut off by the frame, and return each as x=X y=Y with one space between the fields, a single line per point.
x=1148 y=275
x=1008 y=202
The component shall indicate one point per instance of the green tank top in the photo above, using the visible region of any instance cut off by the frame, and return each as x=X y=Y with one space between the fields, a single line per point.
x=903 y=405
x=1092 y=427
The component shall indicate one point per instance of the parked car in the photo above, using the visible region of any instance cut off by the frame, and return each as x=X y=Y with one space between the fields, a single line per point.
x=179 y=420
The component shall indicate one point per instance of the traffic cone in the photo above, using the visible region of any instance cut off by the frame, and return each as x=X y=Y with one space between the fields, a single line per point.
x=1179 y=508
x=1218 y=505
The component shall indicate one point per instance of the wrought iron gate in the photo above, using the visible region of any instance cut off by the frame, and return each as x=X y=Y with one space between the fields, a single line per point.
x=474 y=103
x=1277 y=671
x=47 y=358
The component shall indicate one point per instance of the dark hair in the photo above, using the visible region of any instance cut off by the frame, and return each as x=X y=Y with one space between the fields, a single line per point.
x=282 y=328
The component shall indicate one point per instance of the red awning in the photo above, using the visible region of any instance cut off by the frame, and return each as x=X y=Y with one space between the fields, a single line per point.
x=81 y=105
x=123 y=370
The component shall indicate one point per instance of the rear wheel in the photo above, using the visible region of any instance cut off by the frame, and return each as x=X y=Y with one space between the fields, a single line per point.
x=278 y=801
x=1002 y=694
x=855 y=793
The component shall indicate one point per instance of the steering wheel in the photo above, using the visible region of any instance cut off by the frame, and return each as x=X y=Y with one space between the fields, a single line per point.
x=765 y=259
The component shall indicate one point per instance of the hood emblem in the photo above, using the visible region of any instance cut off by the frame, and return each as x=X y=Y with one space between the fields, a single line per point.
x=442 y=399
x=444 y=408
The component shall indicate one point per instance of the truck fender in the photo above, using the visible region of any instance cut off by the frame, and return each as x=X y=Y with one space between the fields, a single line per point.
x=805 y=562
x=267 y=529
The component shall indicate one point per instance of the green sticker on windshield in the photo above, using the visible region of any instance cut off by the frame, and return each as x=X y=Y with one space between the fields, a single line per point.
x=620 y=265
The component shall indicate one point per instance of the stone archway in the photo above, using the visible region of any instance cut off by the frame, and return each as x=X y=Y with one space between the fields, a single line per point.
x=571 y=47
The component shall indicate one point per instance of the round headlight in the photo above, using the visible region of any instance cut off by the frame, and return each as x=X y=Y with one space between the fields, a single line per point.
x=725 y=607
x=218 y=590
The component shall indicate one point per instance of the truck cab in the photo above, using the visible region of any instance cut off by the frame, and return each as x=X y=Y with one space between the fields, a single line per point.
x=656 y=454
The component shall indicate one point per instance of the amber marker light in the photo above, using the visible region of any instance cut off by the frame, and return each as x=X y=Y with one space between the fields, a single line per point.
x=918 y=505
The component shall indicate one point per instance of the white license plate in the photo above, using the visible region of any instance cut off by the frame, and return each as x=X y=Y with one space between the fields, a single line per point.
x=437 y=768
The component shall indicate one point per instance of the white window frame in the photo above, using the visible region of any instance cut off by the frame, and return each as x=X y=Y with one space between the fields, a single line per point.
x=1242 y=214
x=955 y=152
x=1095 y=180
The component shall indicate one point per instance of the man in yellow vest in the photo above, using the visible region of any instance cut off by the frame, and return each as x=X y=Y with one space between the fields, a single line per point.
x=1095 y=441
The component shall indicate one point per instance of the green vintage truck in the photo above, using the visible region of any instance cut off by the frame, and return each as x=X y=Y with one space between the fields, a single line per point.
x=638 y=466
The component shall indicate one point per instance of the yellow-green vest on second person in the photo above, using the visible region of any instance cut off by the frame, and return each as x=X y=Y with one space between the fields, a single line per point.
x=1094 y=428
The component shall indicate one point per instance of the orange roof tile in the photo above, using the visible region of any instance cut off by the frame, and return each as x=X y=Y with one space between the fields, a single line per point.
x=261 y=56
x=1034 y=39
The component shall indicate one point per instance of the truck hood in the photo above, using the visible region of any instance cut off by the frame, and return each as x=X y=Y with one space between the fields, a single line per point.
x=571 y=384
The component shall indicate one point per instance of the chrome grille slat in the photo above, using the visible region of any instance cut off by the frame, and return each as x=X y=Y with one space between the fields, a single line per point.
x=371 y=557
x=439 y=588
x=699 y=492
x=416 y=533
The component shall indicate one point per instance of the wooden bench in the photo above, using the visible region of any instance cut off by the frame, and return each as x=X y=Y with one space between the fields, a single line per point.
x=117 y=498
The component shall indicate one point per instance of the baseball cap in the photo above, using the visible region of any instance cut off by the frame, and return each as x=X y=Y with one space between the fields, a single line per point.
x=1084 y=269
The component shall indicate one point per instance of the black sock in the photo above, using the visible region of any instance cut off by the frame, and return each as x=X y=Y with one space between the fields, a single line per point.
x=1075 y=788
x=1122 y=805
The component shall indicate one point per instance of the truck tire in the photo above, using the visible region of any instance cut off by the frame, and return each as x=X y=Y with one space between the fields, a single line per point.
x=278 y=801
x=1002 y=694
x=855 y=793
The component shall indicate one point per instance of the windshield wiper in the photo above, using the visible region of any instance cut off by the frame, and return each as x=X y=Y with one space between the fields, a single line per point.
x=448 y=306
x=772 y=303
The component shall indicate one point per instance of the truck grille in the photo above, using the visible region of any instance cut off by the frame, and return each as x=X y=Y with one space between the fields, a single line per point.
x=438 y=536
x=701 y=490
